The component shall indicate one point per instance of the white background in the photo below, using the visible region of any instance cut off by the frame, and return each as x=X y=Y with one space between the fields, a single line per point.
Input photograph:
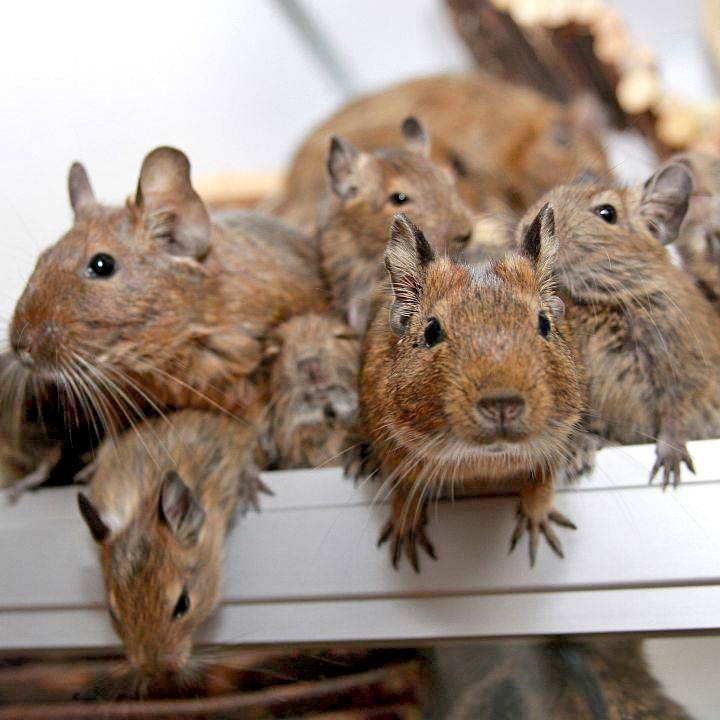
x=236 y=87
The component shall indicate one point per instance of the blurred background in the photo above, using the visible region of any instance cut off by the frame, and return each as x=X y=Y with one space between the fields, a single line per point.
x=237 y=85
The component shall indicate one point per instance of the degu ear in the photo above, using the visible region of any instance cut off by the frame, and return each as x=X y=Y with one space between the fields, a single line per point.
x=584 y=114
x=175 y=213
x=415 y=136
x=665 y=200
x=343 y=166
x=406 y=258
x=98 y=529
x=81 y=193
x=539 y=244
x=179 y=510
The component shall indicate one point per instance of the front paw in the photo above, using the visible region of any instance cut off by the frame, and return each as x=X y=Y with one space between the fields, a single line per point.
x=669 y=458
x=251 y=485
x=536 y=522
x=360 y=461
x=31 y=481
x=406 y=538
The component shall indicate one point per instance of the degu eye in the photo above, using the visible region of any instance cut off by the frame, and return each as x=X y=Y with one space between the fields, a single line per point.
x=182 y=605
x=433 y=332
x=544 y=326
x=100 y=265
x=399 y=198
x=606 y=213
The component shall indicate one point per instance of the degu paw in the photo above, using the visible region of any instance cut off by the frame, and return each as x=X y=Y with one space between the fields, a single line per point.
x=537 y=522
x=251 y=485
x=407 y=539
x=360 y=461
x=669 y=458
x=31 y=481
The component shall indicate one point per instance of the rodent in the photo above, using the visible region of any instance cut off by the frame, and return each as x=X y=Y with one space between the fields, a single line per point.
x=366 y=189
x=314 y=360
x=648 y=337
x=45 y=438
x=159 y=505
x=562 y=679
x=152 y=301
x=305 y=186
x=468 y=379
x=504 y=141
x=698 y=241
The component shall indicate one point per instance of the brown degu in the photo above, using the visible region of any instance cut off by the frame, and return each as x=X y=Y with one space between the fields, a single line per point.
x=153 y=301
x=366 y=190
x=469 y=380
x=45 y=436
x=312 y=388
x=646 y=334
x=300 y=201
x=506 y=144
x=159 y=505
x=558 y=680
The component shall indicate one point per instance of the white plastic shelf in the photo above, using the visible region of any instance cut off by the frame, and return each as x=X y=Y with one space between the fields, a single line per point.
x=307 y=568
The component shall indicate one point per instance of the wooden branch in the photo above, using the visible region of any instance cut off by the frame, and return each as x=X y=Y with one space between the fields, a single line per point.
x=566 y=48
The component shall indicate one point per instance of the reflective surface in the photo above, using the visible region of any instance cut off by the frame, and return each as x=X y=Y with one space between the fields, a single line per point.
x=599 y=677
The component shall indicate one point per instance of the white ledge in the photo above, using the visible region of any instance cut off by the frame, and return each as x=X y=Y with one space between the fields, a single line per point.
x=307 y=568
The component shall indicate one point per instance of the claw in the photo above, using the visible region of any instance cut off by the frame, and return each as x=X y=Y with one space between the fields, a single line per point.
x=552 y=538
x=385 y=533
x=670 y=458
x=689 y=462
x=558 y=518
x=251 y=485
x=263 y=488
x=412 y=555
x=537 y=526
x=407 y=540
x=426 y=545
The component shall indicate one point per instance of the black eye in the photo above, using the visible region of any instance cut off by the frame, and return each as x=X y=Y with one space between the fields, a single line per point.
x=606 y=213
x=399 y=198
x=543 y=324
x=182 y=605
x=101 y=265
x=433 y=332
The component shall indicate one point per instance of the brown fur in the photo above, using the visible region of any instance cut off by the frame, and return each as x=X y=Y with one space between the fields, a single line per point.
x=562 y=680
x=353 y=225
x=507 y=144
x=646 y=334
x=146 y=561
x=43 y=434
x=312 y=389
x=419 y=404
x=182 y=320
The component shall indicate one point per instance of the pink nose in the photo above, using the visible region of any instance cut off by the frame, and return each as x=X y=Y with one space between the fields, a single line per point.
x=501 y=410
